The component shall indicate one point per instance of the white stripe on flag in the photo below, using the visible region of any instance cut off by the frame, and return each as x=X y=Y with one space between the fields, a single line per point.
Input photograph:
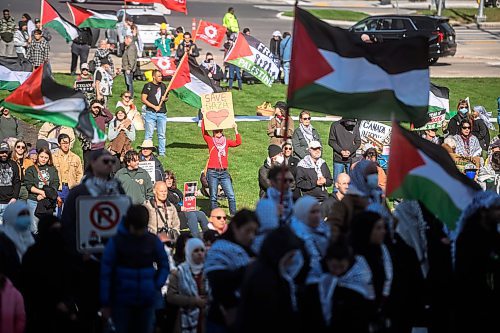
x=70 y=107
x=70 y=30
x=439 y=102
x=13 y=76
x=198 y=87
x=101 y=16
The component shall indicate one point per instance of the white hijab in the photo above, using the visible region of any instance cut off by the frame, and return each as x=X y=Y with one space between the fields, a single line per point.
x=21 y=239
x=191 y=245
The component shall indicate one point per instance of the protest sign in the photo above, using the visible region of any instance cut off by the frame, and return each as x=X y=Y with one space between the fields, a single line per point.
x=374 y=134
x=149 y=166
x=84 y=85
x=217 y=109
x=190 y=196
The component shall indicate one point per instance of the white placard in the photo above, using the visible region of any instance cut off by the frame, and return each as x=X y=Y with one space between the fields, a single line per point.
x=149 y=166
x=375 y=134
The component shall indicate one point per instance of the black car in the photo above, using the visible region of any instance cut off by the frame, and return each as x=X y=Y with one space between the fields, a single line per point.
x=391 y=27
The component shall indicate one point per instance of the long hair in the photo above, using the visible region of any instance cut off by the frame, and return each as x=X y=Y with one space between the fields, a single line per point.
x=46 y=151
x=171 y=174
x=14 y=155
x=239 y=219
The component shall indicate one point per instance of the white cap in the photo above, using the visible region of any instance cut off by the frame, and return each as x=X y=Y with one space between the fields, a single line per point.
x=314 y=144
x=277 y=33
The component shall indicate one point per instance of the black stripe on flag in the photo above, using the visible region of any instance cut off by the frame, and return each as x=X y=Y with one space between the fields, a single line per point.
x=395 y=56
x=53 y=90
x=202 y=75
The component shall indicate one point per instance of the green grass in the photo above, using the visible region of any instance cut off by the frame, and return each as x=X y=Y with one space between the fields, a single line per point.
x=187 y=152
x=466 y=15
x=334 y=14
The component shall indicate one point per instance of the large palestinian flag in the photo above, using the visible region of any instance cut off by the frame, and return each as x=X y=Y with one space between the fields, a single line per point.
x=334 y=72
x=13 y=73
x=190 y=81
x=421 y=170
x=52 y=19
x=40 y=97
x=87 y=18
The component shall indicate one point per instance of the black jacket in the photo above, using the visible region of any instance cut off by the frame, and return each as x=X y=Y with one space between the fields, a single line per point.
x=159 y=172
x=342 y=139
x=264 y=179
x=350 y=312
x=328 y=204
x=10 y=181
x=480 y=130
x=274 y=47
x=306 y=180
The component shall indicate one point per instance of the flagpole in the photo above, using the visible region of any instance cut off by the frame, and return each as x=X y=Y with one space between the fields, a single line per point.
x=176 y=72
x=197 y=30
x=41 y=12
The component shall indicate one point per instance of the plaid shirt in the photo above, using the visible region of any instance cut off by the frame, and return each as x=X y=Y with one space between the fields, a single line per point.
x=38 y=52
x=7 y=25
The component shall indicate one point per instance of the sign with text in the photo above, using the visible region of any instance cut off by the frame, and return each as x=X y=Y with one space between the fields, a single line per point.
x=84 y=85
x=374 y=134
x=149 y=166
x=98 y=220
x=190 y=189
x=218 y=111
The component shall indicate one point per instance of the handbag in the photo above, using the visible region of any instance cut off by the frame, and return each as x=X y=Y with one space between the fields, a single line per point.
x=171 y=232
x=203 y=176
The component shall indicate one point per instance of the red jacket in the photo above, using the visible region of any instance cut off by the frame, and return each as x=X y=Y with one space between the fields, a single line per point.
x=213 y=160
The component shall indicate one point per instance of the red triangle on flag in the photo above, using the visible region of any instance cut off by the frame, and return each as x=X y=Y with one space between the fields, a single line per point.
x=182 y=75
x=79 y=14
x=48 y=13
x=30 y=92
x=308 y=64
x=404 y=157
x=240 y=49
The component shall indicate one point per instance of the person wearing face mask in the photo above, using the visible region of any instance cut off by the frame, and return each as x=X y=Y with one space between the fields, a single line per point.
x=313 y=175
x=345 y=139
x=15 y=239
x=276 y=126
x=371 y=154
x=213 y=70
x=454 y=124
x=275 y=157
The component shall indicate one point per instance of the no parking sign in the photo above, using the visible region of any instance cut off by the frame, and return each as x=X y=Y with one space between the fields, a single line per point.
x=98 y=220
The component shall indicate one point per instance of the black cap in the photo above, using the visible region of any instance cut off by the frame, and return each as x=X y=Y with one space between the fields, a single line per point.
x=273 y=150
x=37 y=20
x=280 y=105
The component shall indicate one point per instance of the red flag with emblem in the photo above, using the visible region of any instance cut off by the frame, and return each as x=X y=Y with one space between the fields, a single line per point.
x=175 y=5
x=165 y=64
x=211 y=33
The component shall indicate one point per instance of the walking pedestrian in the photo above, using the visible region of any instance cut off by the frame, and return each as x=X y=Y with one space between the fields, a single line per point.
x=154 y=98
x=7 y=30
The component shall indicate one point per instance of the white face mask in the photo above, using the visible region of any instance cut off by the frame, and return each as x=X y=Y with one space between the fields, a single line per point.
x=279 y=159
x=372 y=180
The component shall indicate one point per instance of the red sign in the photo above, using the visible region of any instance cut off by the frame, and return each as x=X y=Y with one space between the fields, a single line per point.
x=105 y=215
x=190 y=196
x=165 y=64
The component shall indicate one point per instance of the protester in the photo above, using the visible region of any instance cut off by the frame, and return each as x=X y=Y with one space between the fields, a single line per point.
x=234 y=71
x=103 y=81
x=135 y=180
x=225 y=268
x=345 y=140
x=7 y=30
x=38 y=50
x=268 y=301
x=276 y=127
x=188 y=288
x=467 y=144
x=154 y=96
x=274 y=44
x=476 y=264
x=286 y=55
x=187 y=45
x=213 y=70
x=230 y=22
x=290 y=160
x=80 y=48
x=281 y=191
x=303 y=135
x=45 y=32
x=50 y=132
x=217 y=165
x=430 y=134
x=194 y=220
x=162 y=43
x=479 y=128
x=313 y=174
x=21 y=40
x=163 y=218
x=134 y=31
x=489 y=174
x=10 y=179
x=102 y=117
x=129 y=63
x=69 y=168
x=371 y=154
x=33 y=155
x=127 y=103
x=42 y=182
x=134 y=268
x=103 y=52
x=146 y=154
x=85 y=75
x=275 y=158
x=218 y=221
x=9 y=125
x=179 y=31
x=268 y=215
x=341 y=186
x=454 y=125
x=20 y=156
x=26 y=18
x=12 y=315
x=121 y=134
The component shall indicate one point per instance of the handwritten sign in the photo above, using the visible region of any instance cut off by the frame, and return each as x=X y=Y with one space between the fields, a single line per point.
x=190 y=196
x=218 y=111
x=374 y=134
x=149 y=166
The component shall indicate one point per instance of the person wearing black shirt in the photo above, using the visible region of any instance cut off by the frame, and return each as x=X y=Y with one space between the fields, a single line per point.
x=10 y=182
x=187 y=45
x=80 y=48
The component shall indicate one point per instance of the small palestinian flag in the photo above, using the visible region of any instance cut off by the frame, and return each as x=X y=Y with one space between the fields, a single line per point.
x=40 y=97
x=190 y=81
x=421 y=170
x=87 y=18
x=439 y=106
x=13 y=73
x=333 y=71
x=52 y=19
x=175 y=5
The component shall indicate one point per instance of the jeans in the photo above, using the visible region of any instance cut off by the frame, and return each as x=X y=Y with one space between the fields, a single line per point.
x=79 y=50
x=34 y=220
x=232 y=71
x=338 y=168
x=63 y=194
x=133 y=319
x=216 y=177
x=152 y=119
x=129 y=82
x=286 y=71
x=2 y=209
x=195 y=218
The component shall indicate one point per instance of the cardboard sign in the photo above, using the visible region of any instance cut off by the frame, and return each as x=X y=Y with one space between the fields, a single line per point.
x=149 y=166
x=218 y=111
x=374 y=134
x=98 y=220
x=190 y=196
x=84 y=85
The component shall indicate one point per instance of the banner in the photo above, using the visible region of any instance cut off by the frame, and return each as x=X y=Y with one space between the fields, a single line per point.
x=84 y=85
x=218 y=111
x=165 y=64
x=439 y=107
x=374 y=134
x=254 y=57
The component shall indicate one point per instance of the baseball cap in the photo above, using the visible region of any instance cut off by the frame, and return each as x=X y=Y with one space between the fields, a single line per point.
x=84 y=66
x=37 y=20
x=4 y=146
x=314 y=144
x=277 y=33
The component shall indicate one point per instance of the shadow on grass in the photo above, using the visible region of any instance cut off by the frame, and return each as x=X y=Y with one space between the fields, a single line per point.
x=186 y=145
x=465 y=17
x=204 y=204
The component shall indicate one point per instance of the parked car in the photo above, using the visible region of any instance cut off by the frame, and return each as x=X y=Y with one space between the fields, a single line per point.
x=441 y=34
x=491 y=3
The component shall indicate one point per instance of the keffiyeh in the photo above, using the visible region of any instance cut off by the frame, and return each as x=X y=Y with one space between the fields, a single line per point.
x=307 y=131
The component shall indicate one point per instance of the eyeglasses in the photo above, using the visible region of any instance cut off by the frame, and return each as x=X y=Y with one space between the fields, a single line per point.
x=307 y=118
x=108 y=161
x=127 y=96
x=287 y=148
x=318 y=148
x=220 y=217
x=20 y=147
x=465 y=127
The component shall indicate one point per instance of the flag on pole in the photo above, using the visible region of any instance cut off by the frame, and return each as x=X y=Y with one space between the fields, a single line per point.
x=13 y=73
x=439 y=106
x=88 y=18
x=332 y=71
x=52 y=19
x=175 y=5
x=190 y=81
x=424 y=171
x=211 y=33
x=40 y=97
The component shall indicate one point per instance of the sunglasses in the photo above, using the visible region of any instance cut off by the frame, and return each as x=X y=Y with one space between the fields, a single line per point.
x=108 y=161
x=21 y=147
x=308 y=118
x=465 y=127
x=127 y=96
x=287 y=148
x=220 y=217
x=319 y=148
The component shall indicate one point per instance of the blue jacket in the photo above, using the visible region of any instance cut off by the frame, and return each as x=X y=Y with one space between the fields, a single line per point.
x=286 y=49
x=128 y=276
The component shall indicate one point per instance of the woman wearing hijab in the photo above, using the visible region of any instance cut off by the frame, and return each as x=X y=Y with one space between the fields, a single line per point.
x=15 y=239
x=367 y=239
x=217 y=165
x=188 y=289
x=225 y=268
x=481 y=125
x=267 y=212
x=467 y=144
x=303 y=135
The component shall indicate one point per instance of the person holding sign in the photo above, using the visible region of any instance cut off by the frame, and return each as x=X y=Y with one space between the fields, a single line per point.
x=217 y=165
x=154 y=95
x=135 y=180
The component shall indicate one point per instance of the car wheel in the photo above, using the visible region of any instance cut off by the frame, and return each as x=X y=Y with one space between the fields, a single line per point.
x=432 y=61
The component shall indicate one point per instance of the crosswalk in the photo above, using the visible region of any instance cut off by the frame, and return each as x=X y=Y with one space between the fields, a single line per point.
x=467 y=35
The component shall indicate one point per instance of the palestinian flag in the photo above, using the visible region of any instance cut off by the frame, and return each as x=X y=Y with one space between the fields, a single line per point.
x=175 y=5
x=52 y=19
x=334 y=72
x=190 y=82
x=421 y=170
x=87 y=18
x=439 y=106
x=13 y=73
x=40 y=97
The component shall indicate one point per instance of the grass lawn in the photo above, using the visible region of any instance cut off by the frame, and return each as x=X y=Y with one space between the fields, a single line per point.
x=466 y=15
x=187 y=152
x=334 y=14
